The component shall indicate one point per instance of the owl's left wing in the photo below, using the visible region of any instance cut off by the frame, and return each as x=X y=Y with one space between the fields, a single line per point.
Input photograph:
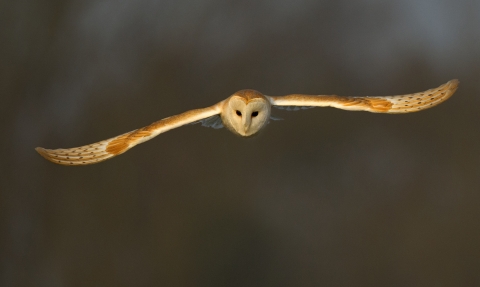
x=387 y=104
x=109 y=148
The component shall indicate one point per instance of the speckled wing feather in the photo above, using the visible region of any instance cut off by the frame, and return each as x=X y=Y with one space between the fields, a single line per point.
x=106 y=149
x=387 y=104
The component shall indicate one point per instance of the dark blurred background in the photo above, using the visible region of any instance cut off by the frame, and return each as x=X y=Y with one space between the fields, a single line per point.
x=324 y=198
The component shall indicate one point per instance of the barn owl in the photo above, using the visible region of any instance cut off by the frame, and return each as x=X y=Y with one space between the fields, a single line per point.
x=245 y=113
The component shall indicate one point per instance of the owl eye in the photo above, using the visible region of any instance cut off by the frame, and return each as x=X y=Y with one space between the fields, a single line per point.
x=239 y=113
x=254 y=114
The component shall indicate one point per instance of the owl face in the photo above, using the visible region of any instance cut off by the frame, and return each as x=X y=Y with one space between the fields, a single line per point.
x=246 y=112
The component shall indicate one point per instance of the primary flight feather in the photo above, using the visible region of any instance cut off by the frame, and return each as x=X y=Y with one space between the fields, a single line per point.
x=245 y=113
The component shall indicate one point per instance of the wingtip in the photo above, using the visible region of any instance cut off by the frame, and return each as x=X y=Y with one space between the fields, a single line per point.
x=42 y=152
x=453 y=86
x=454 y=83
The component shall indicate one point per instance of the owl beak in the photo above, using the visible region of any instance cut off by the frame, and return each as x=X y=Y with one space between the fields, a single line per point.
x=246 y=122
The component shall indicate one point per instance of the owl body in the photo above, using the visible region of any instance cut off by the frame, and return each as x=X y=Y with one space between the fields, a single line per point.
x=245 y=113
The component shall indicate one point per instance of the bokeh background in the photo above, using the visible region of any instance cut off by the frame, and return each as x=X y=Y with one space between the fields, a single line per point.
x=323 y=198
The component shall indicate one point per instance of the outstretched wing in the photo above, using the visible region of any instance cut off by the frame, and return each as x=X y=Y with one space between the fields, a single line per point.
x=106 y=149
x=388 y=104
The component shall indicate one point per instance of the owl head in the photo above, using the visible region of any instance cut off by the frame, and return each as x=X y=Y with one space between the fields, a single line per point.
x=246 y=112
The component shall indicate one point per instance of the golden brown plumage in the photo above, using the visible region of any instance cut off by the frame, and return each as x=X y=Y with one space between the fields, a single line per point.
x=388 y=104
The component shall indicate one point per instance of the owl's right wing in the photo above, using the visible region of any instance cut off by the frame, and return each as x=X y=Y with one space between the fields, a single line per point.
x=109 y=148
x=383 y=104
